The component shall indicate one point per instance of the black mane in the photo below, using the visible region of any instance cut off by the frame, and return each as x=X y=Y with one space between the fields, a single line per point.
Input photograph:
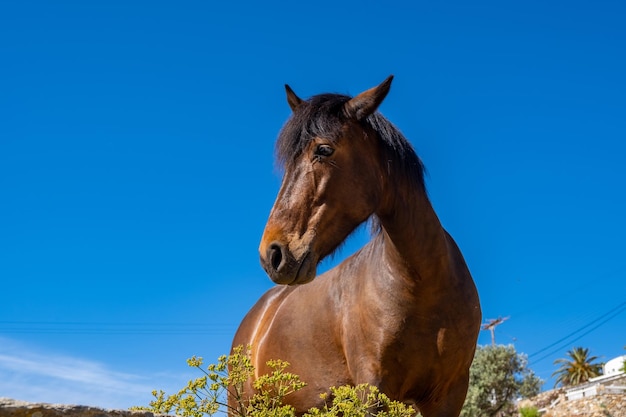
x=322 y=116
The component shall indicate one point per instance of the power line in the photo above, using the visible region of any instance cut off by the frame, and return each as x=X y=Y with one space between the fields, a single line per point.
x=606 y=316
x=577 y=331
x=104 y=328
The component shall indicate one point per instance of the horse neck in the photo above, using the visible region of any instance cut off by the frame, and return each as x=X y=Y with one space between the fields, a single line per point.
x=415 y=242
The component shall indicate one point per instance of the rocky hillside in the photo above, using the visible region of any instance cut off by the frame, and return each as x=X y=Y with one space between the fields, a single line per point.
x=14 y=408
x=555 y=403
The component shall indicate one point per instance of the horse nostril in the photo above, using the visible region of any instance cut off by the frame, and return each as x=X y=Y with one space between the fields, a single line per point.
x=275 y=256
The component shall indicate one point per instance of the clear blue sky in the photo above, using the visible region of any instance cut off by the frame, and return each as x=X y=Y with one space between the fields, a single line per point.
x=136 y=170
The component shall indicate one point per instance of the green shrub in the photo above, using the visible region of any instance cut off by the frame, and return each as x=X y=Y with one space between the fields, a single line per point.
x=529 y=412
x=359 y=401
x=206 y=395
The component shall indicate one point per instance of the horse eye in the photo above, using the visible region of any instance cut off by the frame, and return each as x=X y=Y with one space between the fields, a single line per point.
x=324 y=150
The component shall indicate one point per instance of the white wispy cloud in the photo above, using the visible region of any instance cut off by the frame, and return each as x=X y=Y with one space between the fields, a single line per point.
x=29 y=374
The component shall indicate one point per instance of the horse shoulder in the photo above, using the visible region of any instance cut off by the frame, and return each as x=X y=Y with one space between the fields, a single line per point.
x=255 y=323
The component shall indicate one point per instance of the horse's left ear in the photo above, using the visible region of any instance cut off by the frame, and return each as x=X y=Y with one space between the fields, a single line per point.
x=293 y=100
x=368 y=101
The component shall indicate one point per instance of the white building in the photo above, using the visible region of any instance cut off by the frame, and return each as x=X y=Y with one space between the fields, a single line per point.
x=614 y=366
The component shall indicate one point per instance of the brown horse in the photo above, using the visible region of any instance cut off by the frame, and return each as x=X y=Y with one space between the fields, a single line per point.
x=403 y=312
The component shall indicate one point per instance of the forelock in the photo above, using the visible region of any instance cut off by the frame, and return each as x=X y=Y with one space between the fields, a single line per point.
x=319 y=116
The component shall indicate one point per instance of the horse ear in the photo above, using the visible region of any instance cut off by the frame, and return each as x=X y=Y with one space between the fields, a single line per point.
x=293 y=100
x=368 y=101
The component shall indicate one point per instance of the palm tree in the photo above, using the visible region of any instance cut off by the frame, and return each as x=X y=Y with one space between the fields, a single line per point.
x=578 y=368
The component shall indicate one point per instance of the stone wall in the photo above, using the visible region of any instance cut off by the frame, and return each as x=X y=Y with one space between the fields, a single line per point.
x=14 y=408
x=545 y=399
x=554 y=403
x=606 y=405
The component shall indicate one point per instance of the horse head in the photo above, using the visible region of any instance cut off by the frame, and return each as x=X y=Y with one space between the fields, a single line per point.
x=332 y=182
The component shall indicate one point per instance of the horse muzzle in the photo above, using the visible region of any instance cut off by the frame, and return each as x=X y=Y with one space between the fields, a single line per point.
x=284 y=269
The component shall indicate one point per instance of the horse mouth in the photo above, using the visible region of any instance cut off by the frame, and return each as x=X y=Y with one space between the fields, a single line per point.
x=306 y=271
x=291 y=272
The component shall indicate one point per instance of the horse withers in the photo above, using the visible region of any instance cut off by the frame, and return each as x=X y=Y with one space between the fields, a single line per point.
x=402 y=313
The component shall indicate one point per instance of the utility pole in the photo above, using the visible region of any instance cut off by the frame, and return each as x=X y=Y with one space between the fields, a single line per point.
x=491 y=326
